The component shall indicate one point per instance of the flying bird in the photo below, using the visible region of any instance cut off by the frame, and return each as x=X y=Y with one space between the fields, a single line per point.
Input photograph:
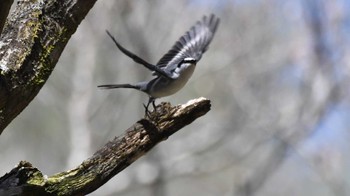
x=175 y=68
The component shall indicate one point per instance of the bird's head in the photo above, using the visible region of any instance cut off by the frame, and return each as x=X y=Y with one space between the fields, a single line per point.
x=184 y=64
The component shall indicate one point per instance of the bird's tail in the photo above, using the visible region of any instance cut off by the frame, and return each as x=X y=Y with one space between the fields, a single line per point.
x=110 y=86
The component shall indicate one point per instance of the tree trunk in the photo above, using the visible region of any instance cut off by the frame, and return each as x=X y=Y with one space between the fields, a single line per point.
x=31 y=43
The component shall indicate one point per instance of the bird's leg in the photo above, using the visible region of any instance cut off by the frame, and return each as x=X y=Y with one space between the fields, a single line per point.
x=147 y=112
x=154 y=105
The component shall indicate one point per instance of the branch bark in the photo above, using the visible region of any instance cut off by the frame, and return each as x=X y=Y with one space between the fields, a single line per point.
x=31 y=43
x=115 y=156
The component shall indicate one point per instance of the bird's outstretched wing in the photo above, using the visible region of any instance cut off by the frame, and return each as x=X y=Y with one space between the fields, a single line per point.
x=193 y=44
x=139 y=60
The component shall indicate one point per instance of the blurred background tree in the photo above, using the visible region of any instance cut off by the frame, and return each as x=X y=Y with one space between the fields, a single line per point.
x=277 y=74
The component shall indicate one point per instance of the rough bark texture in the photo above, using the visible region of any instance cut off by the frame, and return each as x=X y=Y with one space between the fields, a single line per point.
x=115 y=156
x=31 y=42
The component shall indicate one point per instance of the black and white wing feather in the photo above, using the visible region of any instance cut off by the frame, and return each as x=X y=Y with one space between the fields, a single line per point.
x=193 y=44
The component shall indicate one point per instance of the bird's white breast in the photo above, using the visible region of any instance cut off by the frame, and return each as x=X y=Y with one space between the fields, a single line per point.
x=165 y=87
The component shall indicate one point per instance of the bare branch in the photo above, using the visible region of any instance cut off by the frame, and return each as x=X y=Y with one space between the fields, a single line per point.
x=115 y=156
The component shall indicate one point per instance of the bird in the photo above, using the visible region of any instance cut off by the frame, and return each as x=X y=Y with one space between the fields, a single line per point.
x=175 y=68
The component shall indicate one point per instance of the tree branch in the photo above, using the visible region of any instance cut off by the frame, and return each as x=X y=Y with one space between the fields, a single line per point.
x=31 y=43
x=115 y=156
